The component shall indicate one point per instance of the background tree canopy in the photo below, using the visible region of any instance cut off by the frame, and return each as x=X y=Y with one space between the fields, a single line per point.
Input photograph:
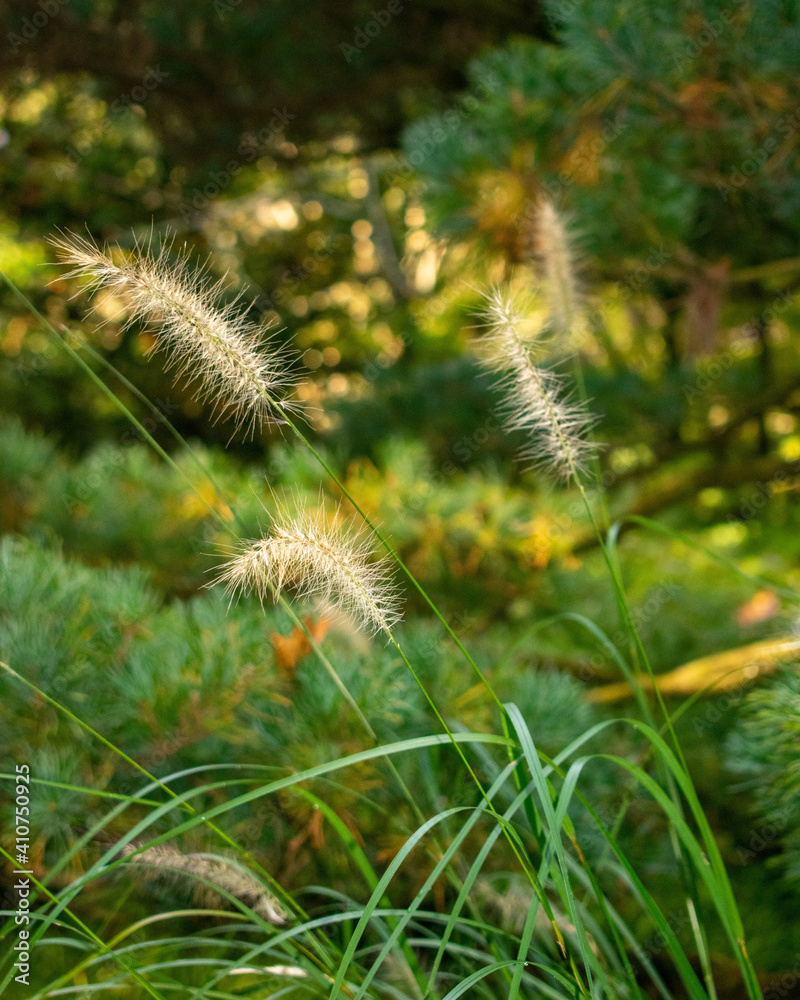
x=347 y=189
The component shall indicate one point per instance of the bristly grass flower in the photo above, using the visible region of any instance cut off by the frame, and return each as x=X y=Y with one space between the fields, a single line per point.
x=534 y=399
x=238 y=367
x=305 y=552
x=210 y=872
x=555 y=250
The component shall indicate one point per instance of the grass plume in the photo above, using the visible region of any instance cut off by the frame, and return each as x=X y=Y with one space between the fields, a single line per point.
x=554 y=248
x=238 y=367
x=534 y=399
x=211 y=872
x=305 y=552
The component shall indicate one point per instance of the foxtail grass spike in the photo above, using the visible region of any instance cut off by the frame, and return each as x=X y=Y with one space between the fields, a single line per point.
x=555 y=250
x=305 y=552
x=239 y=369
x=534 y=400
x=208 y=871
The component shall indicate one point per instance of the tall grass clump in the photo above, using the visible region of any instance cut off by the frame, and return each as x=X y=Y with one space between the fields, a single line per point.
x=514 y=811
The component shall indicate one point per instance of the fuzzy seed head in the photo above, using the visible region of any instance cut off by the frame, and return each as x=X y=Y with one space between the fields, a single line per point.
x=534 y=399
x=554 y=247
x=209 y=871
x=317 y=560
x=237 y=367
